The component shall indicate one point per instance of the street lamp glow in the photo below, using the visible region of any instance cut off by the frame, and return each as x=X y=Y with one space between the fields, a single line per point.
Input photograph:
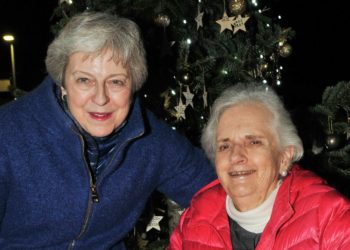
x=8 y=38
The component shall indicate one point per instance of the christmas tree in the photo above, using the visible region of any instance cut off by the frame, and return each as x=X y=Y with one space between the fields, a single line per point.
x=329 y=153
x=195 y=50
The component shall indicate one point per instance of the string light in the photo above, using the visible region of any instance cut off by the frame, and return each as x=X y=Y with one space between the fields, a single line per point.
x=70 y=2
x=224 y=71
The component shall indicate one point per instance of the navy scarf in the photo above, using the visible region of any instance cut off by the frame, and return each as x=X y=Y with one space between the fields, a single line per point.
x=98 y=150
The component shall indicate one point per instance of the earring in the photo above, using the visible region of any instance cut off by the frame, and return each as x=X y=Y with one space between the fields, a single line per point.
x=284 y=173
x=64 y=98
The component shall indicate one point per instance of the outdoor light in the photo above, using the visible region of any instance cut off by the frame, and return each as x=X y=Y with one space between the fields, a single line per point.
x=10 y=38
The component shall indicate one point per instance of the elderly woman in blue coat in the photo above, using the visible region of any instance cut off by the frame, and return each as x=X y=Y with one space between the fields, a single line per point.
x=79 y=156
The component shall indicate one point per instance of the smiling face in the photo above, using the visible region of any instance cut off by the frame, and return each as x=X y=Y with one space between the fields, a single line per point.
x=98 y=91
x=248 y=158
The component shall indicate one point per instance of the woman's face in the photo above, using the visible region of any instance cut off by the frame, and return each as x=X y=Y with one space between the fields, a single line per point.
x=248 y=158
x=98 y=90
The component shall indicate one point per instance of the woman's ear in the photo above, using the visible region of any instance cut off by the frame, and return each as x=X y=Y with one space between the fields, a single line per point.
x=286 y=159
x=63 y=92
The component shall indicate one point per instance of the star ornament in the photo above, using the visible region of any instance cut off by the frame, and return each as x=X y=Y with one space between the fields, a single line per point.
x=239 y=23
x=154 y=223
x=199 y=19
x=189 y=97
x=225 y=22
x=180 y=109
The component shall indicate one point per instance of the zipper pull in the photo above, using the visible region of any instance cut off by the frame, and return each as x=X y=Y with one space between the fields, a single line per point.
x=94 y=194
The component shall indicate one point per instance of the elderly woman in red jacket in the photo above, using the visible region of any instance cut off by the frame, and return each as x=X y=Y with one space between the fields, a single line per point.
x=260 y=200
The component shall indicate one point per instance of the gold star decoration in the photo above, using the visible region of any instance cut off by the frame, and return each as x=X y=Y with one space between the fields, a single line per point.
x=154 y=223
x=180 y=108
x=199 y=19
x=189 y=97
x=239 y=23
x=225 y=22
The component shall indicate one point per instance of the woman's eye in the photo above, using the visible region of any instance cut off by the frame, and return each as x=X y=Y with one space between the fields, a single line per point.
x=82 y=80
x=222 y=147
x=255 y=142
x=117 y=82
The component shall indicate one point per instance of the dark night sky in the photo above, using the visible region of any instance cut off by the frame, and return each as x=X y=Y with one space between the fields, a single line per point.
x=29 y=22
x=321 y=43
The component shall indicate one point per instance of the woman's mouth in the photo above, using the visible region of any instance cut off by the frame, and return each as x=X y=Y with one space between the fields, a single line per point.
x=100 y=116
x=241 y=173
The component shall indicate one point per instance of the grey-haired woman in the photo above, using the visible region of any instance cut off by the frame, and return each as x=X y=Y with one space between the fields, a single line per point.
x=262 y=200
x=79 y=156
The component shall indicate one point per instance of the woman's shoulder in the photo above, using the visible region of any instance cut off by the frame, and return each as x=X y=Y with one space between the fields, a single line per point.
x=209 y=198
x=311 y=188
x=207 y=205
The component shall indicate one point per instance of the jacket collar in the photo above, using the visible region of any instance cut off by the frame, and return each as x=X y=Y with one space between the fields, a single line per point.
x=281 y=213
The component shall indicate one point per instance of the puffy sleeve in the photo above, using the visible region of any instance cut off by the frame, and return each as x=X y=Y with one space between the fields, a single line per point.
x=334 y=216
x=176 y=237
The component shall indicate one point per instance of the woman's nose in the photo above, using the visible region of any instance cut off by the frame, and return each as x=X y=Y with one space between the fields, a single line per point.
x=101 y=96
x=238 y=154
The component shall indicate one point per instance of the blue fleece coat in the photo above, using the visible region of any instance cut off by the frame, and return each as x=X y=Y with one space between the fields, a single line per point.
x=46 y=187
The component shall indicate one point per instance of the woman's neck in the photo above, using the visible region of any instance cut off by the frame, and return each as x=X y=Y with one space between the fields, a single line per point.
x=253 y=220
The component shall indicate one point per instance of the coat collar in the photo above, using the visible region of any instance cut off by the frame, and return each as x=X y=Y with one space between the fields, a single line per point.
x=281 y=213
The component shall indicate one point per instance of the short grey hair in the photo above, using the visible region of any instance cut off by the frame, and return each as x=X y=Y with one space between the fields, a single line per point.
x=92 y=32
x=254 y=93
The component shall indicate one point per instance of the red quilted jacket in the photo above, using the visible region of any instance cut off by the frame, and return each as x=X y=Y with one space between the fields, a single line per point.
x=307 y=214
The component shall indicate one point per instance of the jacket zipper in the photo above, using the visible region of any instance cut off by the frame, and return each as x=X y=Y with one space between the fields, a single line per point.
x=94 y=197
x=93 y=184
